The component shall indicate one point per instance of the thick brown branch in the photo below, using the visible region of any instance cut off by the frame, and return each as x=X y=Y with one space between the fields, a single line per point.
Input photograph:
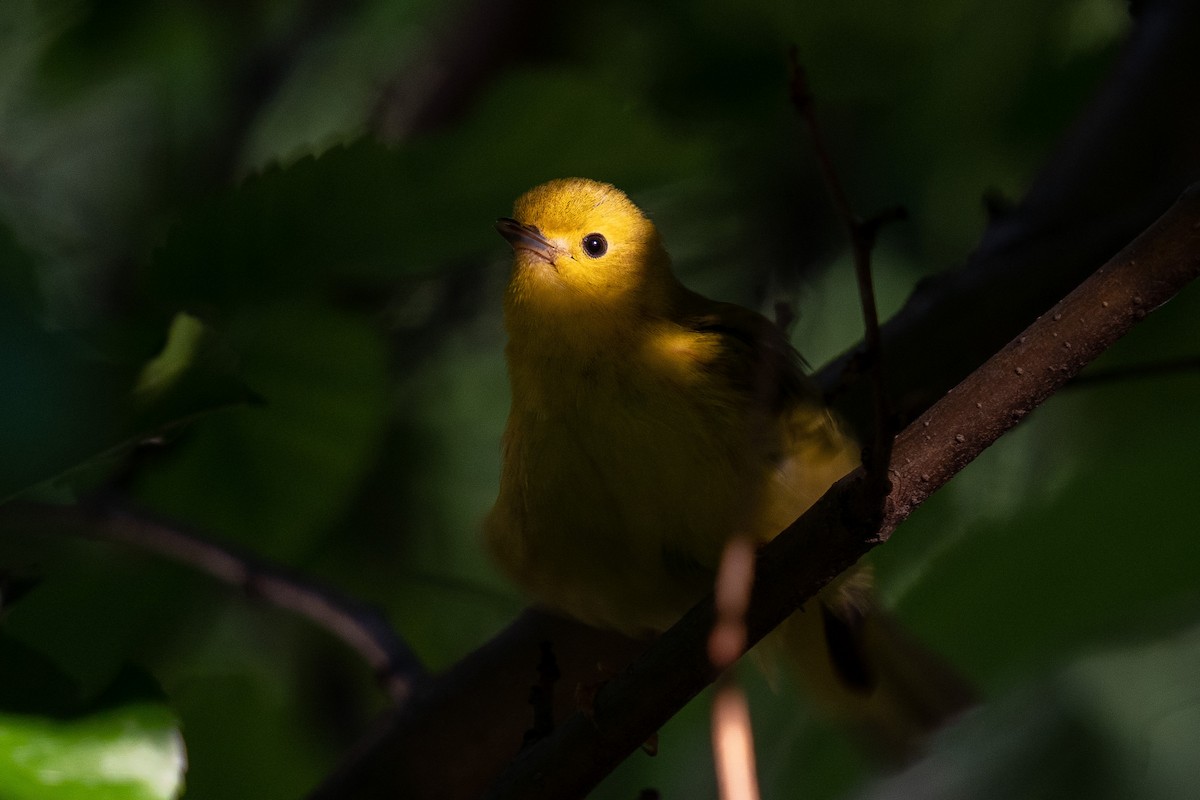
x=835 y=533
x=360 y=627
x=452 y=714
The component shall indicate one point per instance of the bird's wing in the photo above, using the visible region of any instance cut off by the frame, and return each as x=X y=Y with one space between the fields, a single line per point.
x=756 y=357
x=756 y=360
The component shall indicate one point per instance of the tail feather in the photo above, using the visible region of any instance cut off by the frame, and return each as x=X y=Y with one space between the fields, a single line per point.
x=866 y=672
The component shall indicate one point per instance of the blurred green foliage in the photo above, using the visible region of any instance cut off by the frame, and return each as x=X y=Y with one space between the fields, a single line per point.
x=125 y=744
x=223 y=298
x=131 y=753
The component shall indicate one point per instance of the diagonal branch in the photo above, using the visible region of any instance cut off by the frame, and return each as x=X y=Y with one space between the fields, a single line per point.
x=835 y=533
x=360 y=627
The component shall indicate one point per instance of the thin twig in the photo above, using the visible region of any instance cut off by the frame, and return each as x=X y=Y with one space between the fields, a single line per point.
x=862 y=234
x=360 y=627
x=733 y=739
x=733 y=743
x=735 y=580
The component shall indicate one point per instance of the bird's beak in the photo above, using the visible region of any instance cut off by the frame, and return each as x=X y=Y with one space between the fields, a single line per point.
x=526 y=237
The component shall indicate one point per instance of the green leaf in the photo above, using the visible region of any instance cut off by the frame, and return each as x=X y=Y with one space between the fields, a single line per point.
x=133 y=752
x=286 y=230
x=195 y=372
x=277 y=473
x=66 y=411
x=365 y=211
x=183 y=341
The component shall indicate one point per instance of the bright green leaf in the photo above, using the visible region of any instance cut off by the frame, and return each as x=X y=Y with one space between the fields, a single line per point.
x=133 y=752
x=183 y=340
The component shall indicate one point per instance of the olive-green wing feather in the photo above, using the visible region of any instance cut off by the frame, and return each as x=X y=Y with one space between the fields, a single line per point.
x=756 y=357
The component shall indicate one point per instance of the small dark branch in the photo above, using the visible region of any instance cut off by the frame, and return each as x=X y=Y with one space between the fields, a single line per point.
x=862 y=234
x=1119 y=166
x=360 y=627
x=832 y=535
x=1152 y=369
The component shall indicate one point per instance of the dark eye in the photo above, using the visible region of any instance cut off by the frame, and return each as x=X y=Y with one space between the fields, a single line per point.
x=595 y=245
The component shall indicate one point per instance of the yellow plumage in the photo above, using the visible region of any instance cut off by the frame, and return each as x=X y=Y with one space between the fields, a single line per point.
x=648 y=426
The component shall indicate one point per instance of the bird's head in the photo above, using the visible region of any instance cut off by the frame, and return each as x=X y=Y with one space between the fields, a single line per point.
x=580 y=245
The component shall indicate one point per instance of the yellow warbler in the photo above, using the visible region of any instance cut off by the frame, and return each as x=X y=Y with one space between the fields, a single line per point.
x=648 y=426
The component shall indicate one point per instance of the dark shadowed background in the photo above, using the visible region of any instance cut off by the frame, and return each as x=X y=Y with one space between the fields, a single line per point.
x=313 y=185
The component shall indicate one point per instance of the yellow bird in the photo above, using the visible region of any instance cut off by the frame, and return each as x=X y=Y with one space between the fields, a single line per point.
x=648 y=426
